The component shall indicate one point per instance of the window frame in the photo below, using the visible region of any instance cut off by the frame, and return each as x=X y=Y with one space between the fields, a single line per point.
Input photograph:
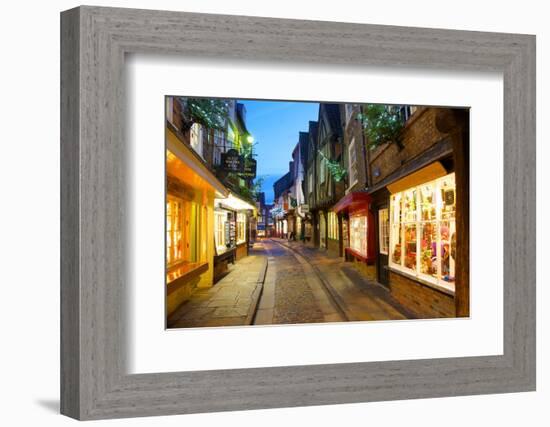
x=175 y=260
x=352 y=166
x=384 y=231
x=363 y=217
x=196 y=134
x=419 y=223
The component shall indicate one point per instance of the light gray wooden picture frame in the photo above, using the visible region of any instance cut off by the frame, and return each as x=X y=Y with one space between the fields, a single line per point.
x=94 y=41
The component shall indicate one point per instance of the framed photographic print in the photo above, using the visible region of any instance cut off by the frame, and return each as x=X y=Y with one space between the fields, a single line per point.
x=261 y=213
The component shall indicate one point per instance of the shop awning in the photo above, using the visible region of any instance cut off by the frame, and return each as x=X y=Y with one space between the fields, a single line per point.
x=352 y=202
x=185 y=164
x=234 y=202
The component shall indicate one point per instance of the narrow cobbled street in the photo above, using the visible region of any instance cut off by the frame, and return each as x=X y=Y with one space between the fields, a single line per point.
x=284 y=282
x=305 y=285
x=292 y=292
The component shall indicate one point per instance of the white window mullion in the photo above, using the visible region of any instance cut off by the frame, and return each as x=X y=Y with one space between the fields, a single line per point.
x=402 y=230
x=418 y=225
x=439 y=204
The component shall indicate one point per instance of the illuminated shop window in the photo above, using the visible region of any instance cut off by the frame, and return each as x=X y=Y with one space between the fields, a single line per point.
x=241 y=228
x=332 y=226
x=384 y=230
x=423 y=231
x=358 y=234
x=174 y=230
x=184 y=221
x=220 y=220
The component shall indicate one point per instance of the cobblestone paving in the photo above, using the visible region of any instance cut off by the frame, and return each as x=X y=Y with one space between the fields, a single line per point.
x=361 y=298
x=294 y=299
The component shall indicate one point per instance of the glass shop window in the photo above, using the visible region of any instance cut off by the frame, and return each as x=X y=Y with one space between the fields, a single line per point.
x=423 y=231
x=332 y=226
x=241 y=228
x=174 y=230
x=358 y=234
x=220 y=220
x=384 y=230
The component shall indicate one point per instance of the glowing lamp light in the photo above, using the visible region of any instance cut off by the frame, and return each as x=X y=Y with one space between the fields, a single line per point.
x=250 y=139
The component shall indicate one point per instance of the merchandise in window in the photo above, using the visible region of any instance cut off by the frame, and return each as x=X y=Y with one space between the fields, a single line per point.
x=332 y=226
x=383 y=230
x=220 y=230
x=358 y=234
x=241 y=228
x=423 y=231
x=174 y=230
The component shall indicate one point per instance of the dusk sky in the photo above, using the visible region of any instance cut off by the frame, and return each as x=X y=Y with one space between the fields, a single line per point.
x=275 y=126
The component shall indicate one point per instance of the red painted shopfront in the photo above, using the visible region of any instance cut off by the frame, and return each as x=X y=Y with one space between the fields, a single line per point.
x=358 y=223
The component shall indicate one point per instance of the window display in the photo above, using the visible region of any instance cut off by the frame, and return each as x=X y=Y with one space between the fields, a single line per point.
x=219 y=230
x=174 y=232
x=332 y=226
x=383 y=231
x=358 y=234
x=423 y=231
x=241 y=228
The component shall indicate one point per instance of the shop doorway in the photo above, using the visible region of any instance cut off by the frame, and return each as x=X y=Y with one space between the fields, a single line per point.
x=383 y=243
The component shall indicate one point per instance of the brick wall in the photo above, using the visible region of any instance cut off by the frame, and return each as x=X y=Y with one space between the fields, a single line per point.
x=419 y=134
x=424 y=301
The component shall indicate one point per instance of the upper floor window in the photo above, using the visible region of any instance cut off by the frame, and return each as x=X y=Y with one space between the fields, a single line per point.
x=322 y=167
x=196 y=138
x=349 y=111
x=406 y=111
x=170 y=109
x=352 y=163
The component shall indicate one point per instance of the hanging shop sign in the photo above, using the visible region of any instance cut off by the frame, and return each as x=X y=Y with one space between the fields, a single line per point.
x=293 y=202
x=232 y=161
x=249 y=167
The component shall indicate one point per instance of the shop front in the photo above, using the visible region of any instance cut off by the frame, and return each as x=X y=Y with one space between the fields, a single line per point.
x=422 y=236
x=231 y=223
x=190 y=192
x=359 y=228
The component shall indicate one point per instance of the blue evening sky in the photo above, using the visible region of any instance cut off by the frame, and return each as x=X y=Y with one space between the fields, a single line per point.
x=275 y=126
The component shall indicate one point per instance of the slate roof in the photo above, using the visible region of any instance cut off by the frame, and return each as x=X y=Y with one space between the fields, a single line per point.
x=282 y=184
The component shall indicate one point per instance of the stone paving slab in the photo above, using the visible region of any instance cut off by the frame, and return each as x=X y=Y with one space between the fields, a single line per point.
x=230 y=302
